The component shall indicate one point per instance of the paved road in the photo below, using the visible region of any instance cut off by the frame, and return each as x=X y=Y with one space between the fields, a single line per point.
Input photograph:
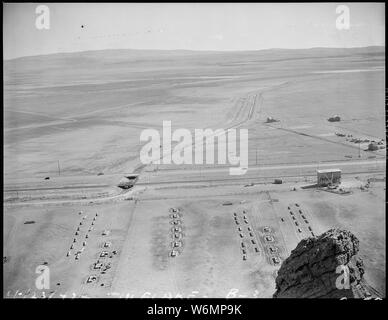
x=315 y=165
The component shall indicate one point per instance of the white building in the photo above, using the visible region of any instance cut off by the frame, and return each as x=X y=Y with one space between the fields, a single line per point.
x=327 y=177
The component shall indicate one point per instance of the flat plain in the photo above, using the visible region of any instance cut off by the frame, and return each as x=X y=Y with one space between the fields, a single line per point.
x=76 y=119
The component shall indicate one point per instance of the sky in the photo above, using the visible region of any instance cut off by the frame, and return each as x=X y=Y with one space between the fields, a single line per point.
x=190 y=26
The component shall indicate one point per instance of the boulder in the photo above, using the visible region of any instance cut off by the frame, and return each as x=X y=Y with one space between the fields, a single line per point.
x=325 y=266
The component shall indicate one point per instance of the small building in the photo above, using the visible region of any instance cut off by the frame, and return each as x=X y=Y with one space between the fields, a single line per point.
x=327 y=177
x=372 y=147
x=128 y=181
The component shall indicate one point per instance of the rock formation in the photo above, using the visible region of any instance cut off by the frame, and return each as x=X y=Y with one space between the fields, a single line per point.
x=326 y=266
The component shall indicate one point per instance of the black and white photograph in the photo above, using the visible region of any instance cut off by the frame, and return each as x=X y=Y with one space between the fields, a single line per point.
x=194 y=150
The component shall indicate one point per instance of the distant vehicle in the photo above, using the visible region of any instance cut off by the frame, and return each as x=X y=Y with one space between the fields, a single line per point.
x=270 y=119
x=267 y=229
x=177 y=244
x=227 y=203
x=278 y=181
x=47 y=178
x=273 y=249
x=100 y=174
x=335 y=118
x=104 y=254
x=340 y=134
x=97 y=265
x=107 y=244
x=91 y=279
x=173 y=253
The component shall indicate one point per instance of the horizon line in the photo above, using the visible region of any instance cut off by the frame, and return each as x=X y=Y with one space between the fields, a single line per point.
x=188 y=50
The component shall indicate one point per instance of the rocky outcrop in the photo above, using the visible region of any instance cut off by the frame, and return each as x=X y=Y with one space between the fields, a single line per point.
x=326 y=266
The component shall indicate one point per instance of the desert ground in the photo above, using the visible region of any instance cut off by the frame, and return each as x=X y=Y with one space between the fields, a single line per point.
x=72 y=124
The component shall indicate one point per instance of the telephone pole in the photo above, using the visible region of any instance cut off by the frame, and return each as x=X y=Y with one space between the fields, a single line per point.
x=59 y=169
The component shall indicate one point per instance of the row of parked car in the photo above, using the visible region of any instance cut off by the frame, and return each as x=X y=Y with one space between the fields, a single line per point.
x=244 y=228
x=176 y=232
x=273 y=251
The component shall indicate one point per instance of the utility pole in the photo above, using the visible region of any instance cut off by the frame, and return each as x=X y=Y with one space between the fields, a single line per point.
x=256 y=156
x=300 y=170
x=59 y=169
x=359 y=149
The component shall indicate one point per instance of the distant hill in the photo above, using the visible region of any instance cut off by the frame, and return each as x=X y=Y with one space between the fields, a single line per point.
x=136 y=53
x=66 y=68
